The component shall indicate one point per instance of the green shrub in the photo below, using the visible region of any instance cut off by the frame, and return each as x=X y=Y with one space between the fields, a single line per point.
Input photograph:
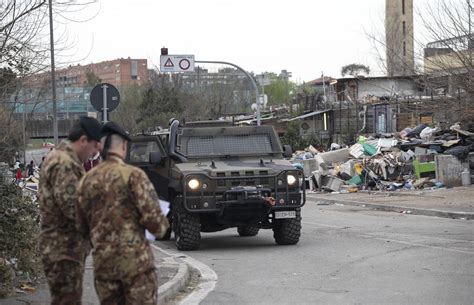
x=19 y=229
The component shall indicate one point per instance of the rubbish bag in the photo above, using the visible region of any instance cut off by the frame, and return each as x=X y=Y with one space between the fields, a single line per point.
x=427 y=133
x=335 y=146
x=416 y=131
x=459 y=152
x=404 y=132
x=344 y=176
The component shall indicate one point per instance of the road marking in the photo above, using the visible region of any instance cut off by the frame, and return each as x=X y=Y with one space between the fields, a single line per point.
x=321 y=225
x=421 y=245
x=430 y=237
x=207 y=282
x=417 y=243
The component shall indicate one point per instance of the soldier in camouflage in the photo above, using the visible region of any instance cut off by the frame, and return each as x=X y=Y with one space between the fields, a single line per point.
x=116 y=203
x=62 y=248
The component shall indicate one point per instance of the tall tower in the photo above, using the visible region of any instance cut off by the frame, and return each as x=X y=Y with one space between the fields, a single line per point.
x=399 y=37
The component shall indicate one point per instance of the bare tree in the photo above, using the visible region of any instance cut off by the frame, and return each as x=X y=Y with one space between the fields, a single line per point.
x=24 y=50
x=443 y=54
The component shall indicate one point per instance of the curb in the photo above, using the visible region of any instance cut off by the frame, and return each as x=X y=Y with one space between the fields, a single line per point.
x=187 y=266
x=399 y=209
x=170 y=289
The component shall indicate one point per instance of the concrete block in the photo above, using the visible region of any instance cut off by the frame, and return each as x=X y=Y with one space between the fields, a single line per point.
x=448 y=170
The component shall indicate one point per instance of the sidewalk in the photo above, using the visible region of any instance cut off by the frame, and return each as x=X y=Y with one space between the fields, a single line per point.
x=172 y=277
x=455 y=202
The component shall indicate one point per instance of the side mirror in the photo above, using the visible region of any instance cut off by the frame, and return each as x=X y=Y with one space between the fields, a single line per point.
x=155 y=157
x=287 y=151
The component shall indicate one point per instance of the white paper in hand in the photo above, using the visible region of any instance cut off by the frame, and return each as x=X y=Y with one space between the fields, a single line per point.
x=149 y=236
x=165 y=206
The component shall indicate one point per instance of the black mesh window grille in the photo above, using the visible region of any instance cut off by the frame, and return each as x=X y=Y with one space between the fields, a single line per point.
x=229 y=145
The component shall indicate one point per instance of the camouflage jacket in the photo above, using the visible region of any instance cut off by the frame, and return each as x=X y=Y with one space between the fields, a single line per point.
x=116 y=203
x=57 y=194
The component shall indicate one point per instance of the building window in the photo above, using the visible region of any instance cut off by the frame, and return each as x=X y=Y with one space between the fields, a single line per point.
x=404 y=28
x=403 y=7
x=134 y=69
x=404 y=48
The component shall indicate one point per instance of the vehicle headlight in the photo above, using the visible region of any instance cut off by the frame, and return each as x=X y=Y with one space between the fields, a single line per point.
x=193 y=184
x=290 y=179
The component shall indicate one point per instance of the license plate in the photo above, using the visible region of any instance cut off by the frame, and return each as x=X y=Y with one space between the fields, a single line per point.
x=285 y=214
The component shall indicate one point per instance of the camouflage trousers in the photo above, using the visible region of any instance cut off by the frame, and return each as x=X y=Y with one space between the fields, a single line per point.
x=65 y=281
x=141 y=289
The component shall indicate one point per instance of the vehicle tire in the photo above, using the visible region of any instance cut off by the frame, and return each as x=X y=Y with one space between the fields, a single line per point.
x=287 y=231
x=187 y=230
x=247 y=230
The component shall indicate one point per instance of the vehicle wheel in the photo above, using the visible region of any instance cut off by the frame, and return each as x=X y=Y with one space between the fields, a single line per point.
x=187 y=230
x=247 y=230
x=287 y=231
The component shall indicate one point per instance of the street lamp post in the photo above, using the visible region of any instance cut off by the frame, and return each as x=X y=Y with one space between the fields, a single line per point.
x=53 y=75
x=248 y=76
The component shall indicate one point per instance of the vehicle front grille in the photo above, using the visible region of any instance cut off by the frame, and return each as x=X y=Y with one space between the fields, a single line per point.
x=245 y=212
x=246 y=178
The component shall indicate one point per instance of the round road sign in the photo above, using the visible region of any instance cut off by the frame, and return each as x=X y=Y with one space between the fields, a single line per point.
x=184 y=64
x=97 y=97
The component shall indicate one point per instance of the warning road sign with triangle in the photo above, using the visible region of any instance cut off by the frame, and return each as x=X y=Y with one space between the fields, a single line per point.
x=169 y=63
x=177 y=63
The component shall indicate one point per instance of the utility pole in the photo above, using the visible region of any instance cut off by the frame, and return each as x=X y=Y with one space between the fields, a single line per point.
x=53 y=76
x=469 y=9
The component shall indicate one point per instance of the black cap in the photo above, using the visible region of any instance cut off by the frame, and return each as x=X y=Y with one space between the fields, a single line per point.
x=91 y=127
x=112 y=128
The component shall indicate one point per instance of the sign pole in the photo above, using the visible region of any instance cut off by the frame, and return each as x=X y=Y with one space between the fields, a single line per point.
x=104 y=105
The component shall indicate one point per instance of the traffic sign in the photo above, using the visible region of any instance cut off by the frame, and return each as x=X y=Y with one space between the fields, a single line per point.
x=177 y=63
x=105 y=98
x=263 y=79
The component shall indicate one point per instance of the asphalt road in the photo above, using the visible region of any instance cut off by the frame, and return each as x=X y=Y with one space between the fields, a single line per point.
x=346 y=255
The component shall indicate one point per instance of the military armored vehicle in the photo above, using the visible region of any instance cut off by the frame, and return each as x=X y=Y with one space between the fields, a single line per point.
x=219 y=176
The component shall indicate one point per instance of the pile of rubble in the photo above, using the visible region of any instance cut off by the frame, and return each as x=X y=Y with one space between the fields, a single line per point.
x=407 y=160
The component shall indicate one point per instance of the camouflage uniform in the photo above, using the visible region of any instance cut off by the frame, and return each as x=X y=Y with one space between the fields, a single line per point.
x=116 y=203
x=62 y=248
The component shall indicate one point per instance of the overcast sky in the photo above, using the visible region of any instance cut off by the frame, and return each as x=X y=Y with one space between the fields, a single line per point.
x=305 y=37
